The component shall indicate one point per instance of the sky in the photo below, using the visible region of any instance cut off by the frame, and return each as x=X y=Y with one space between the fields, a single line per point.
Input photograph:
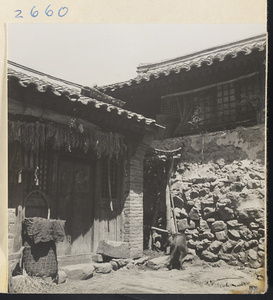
x=99 y=54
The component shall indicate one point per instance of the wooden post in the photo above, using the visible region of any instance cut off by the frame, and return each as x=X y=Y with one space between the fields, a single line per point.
x=174 y=217
x=168 y=197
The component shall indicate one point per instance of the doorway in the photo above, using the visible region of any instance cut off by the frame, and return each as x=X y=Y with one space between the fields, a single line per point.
x=76 y=203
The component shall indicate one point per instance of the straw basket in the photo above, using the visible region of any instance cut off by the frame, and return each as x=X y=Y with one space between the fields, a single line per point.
x=38 y=259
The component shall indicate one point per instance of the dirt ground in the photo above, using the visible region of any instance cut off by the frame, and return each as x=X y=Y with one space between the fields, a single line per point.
x=197 y=279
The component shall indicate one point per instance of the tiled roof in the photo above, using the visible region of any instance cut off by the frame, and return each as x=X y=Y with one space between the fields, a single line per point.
x=149 y=71
x=27 y=77
x=58 y=86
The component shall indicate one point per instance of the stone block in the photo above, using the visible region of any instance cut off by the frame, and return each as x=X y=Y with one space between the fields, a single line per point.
x=158 y=262
x=255 y=234
x=218 y=226
x=210 y=220
x=79 y=271
x=242 y=257
x=141 y=260
x=255 y=264
x=209 y=256
x=103 y=268
x=195 y=234
x=226 y=257
x=215 y=246
x=194 y=214
x=203 y=224
x=98 y=258
x=208 y=212
x=239 y=246
x=62 y=276
x=114 y=265
x=234 y=224
x=190 y=203
x=261 y=246
x=201 y=245
x=246 y=233
x=234 y=234
x=122 y=262
x=207 y=203
x=251 y=244
x=253 y=225
x=252 y=254
x=207 y=234
x=198 y=180
x=113 y=249
x=221 y=235
x=261 y=254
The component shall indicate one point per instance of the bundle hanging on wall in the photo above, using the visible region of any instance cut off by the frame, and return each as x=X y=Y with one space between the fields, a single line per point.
x=34 y=136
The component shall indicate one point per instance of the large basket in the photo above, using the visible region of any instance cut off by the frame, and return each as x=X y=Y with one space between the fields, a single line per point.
x=40 y=259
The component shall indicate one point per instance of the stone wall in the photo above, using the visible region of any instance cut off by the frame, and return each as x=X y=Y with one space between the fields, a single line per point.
x=218 y=186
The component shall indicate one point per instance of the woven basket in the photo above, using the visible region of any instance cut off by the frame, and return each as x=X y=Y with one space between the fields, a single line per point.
x=40 y=259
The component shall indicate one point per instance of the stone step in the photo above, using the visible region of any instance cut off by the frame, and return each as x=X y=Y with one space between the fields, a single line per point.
x=67 y=260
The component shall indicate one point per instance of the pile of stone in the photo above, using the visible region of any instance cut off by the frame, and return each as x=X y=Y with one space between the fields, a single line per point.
x=220 y=207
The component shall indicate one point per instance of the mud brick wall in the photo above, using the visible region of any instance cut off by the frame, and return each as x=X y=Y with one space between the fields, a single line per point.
x=219 y=194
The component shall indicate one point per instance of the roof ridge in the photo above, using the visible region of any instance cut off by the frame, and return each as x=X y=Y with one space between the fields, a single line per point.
x=165 y=67
x=55 y=82
x=12 y=63
x=199 y=52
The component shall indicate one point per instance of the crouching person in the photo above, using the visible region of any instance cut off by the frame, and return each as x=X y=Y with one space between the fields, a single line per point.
x=178 y=250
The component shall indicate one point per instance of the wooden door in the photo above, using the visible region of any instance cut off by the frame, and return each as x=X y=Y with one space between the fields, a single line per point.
x=76 y=204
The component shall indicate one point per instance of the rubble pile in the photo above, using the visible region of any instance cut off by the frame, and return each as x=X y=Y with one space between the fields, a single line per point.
x=220 y=207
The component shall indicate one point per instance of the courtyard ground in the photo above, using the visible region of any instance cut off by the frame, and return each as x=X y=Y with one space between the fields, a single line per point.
x=203 y=278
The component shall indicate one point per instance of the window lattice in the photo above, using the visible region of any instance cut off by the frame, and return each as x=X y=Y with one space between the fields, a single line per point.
x=170 y=107
x=222 y=104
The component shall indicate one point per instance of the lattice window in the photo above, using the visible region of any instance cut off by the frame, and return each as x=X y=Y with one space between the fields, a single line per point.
x=170 y=107
x=204 y=105
x=226 y=104
x=249 y=97
x=216 y=106
x=113 y=178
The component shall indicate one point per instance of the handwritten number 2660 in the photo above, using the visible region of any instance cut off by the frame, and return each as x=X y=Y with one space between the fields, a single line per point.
x=49 y=12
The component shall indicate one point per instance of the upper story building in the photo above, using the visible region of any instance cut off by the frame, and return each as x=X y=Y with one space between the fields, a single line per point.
x=214 y=89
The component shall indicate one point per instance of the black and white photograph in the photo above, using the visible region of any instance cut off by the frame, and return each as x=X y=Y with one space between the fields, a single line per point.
x=136 y=158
